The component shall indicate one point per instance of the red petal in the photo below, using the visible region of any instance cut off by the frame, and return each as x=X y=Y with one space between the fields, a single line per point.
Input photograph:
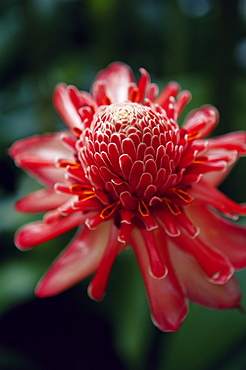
x=152 y=92
x=202 y=121
x=99 y=92
x=128 y=147
x=166 y=298
x=126 y=227
x=127 y=200
x=183 y=221
x=116 y=77
x=209 y=195
x=183 y=98
x=143 y=84
x=79 y=260
x=157 y=268
x=220 y=233
x=98 y=284
x=215 y=178
x=125 y=163
x=199 y=289
x=170 y=90
x=137 y=170
x=232 y=146
x=66 y=108
x=113 y=153
x=38 y=154
x=151 y=167
x=144 y=182
x=215 y=265
x=40 y=232
x=168 y=222
x=41 y=201
x=203 y=168
x=233 y=141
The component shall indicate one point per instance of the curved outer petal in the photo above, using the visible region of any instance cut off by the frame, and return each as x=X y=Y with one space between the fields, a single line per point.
x=38 y=154
x=40 y=232
x=202 y=121
x=199 y=289
x=170 y=90
x=97 y=287
x=41 y=201
x=116 y=78
x=208 y=194
x=214 y=264
x=167 y=301
x=66 y=108
x=215 y=178
x=232 y=141
x=79 y=260
x=220 y=233
x=232 y=145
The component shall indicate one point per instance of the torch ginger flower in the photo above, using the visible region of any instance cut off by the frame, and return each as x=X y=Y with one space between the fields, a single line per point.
x=128 y=175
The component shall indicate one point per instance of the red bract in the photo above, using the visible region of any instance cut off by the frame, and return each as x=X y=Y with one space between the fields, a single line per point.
x=128 y=175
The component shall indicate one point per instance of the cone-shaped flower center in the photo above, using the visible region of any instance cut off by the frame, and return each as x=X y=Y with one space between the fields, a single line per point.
x=133 y=154
x=121 y=117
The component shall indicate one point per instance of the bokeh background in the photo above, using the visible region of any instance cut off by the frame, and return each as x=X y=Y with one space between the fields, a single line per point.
x=201 y=44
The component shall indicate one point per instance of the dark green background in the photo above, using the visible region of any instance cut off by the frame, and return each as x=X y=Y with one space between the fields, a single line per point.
x=199 y=43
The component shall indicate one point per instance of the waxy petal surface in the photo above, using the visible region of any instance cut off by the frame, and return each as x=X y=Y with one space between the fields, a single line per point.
x=38 y=155
x=79 y=260
x=166 y=298
x=42 y=200
x=224 y=235
x=116 y=79
x=39 y=232
x=199 y=289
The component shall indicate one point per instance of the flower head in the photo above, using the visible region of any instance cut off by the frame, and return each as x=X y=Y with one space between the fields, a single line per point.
x=128 y=175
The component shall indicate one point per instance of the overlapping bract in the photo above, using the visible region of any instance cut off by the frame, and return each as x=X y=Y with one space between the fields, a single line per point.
x=128 y=175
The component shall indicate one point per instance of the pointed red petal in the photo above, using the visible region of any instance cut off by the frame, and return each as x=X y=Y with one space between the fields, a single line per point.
x=202 y=121
x=233 y=141
x=215 y=265
x=208 y=194
x=220 y=233
x=79 y=260
x=38 y=154
x=41 y=201
x=171 y=89
x=143 y=84
x=199 y=289
x=40 y=232
x=66 y=108
x=167 y=301
x=116 y=78
x=98 y=284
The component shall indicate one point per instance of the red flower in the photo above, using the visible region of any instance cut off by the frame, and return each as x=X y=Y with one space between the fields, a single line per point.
x=127 y=174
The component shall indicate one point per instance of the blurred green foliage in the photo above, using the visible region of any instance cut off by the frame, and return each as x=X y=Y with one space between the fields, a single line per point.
x=200 y=43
